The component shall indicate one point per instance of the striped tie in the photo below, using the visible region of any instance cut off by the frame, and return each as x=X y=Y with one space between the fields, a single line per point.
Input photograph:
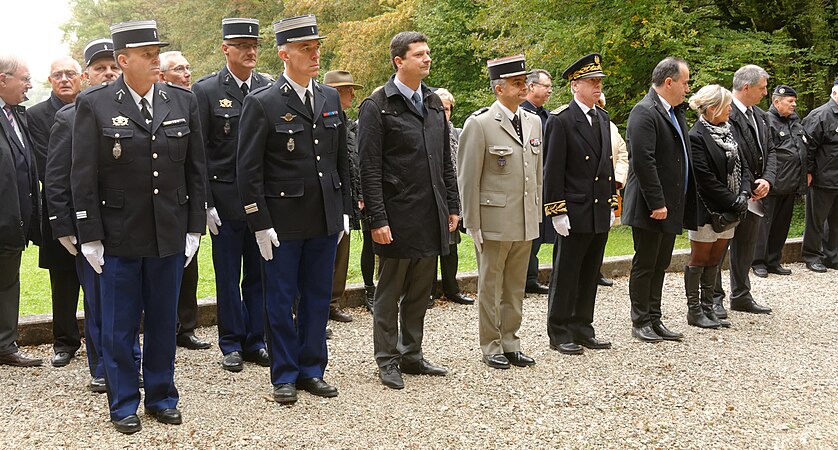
x=10 y=116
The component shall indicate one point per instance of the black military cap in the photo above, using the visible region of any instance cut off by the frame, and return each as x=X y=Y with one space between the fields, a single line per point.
x=239 y=28
x=97 y=48
x=138 y=33
x=588 y=66
x=784 y=91
x=508 y=66
x=296 y=29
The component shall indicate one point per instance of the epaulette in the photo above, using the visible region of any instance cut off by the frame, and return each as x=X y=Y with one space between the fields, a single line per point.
x=94 y=88
x=206 y=77
x=260 y=89
x=170 y=84
x=480 y=111
x=601 y=108
x=559 y=110
x=68 y=105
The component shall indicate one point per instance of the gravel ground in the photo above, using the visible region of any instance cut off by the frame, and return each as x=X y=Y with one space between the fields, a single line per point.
x=767 y=382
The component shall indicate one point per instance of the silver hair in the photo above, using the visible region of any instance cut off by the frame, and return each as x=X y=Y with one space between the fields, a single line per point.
x=10 y=63
x=536 y=74
x=749 y=75
x=495 y=83
x=76 y=64
x=166 y=57
x=711 y=95
x=444 y=94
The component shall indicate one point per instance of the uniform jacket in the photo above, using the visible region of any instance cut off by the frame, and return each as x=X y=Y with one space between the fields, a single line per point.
x=708 y=164
x=292 y=168
x=51 y=254
x=578 y=173
x=821 y=127
x=220 y=103
x=500 y=177
x=656 y=167
x=761 y=158
x=19 y=210
x=407 y=177
x=788 y=139
x=138 y=187
x=57 y=178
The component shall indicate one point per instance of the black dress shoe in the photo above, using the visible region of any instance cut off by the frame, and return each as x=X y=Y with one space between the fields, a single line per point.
x=461 y=299
x=534 y=287
x=61 y=359
x=519 y=359
x=761 y=272
x=97 y=385
x=391 y=376
x=338 y=315
x=232 y=361
x=593 y=343
x=423 y=367
x=18 y=359
x=645 y=334
x=128 y=425
x=285 y=394
x=568 y=348
x=607 y=282
x=318 y=387
x=816 y=267
x=259 y=357
x=748 y=305
x=665 y=333
x=496 y=361
x=191 y=342
x=779 y=270
x=169 y=416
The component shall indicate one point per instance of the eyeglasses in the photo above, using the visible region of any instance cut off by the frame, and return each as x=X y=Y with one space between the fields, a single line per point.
x=244 y=46
x=59 y=74
x=26 y=80
x=546 y=86
x=180 y=69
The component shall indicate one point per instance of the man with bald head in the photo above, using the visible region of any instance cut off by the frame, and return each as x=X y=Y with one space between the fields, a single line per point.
x=65 y=77
x=175 y=69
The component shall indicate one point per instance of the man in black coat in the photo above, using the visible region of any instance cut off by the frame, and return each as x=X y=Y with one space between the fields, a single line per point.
x=293 y=175
x=820 y=243
x=412 y=203
x=19 y=208
x=580 y=196
x=787 y=137
x=65 y=79
x=654 y=200
x=241 y=323
x=750 y=129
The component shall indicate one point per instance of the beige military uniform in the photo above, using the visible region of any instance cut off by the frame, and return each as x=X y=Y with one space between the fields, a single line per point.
x=500 y=181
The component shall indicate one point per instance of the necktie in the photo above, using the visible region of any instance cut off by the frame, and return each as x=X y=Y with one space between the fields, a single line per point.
x=144 y=110
x=683 y=146
x=417 y=102
x=244 y=89
x=595 y=127
x=10 y=116
x=750 y=114
x=516 y=122
x=308 y=102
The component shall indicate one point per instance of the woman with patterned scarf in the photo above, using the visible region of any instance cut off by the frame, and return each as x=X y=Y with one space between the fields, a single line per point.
x=723 y=185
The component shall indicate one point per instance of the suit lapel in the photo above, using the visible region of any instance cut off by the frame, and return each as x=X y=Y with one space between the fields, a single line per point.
x=161 y=107
x=505 y=123
x=294 y=101
x=716 y=151
x=231 y=86
x=127 y=107
x=319 y=100
x=526 y=126
x=583 y=126
x=11 y=135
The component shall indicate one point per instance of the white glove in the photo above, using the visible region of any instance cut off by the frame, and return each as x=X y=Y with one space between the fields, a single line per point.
x=477 y=237
x=613 y=218
x=94 y=252
x=193 y=240
x=561 y=224
x=69 y=242
x=213 y=221
x=266 y=238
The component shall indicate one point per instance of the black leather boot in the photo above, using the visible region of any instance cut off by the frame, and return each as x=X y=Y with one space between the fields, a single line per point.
x=695 y=314
x=369 y=296
x=708 y=282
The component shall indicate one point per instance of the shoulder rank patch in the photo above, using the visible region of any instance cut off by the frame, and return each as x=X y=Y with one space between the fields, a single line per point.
x=225 y=103
x=559 y=110
x=480 y=111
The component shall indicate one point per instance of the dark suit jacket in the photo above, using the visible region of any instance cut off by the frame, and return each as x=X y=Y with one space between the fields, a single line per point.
x=407 y=177
x=19 y=210
x=138 y=187
x=656 y=167
x=57 y=178
x=219 y=103
x=51 y=254
x=708 y=164
x=821 y=127
x=761 y=156
x=292 y=168
x=578 y=176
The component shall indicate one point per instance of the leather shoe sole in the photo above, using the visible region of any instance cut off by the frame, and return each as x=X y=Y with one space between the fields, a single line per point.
x=496 y=361
x=645 y=334
x=568 y=348
x=779 y=270
x=339 y=316
x=760 y=272
x=318 y=387
x=128 y=425
x=423 y=367
x=391 y=377
x=259 y=357
x=169 y=416
x=232 y=362
x=594 y=343
x=61 y=359
x=607 y=282
x=816 y=267
x=98 y=385
x=18 y=359
x=750 y=307
x=285 y=394
x=191 y=342
x=666 y=334
x=461 y=299
x=519 y=359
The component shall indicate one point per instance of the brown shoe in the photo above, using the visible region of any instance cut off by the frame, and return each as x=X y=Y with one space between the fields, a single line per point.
x=18 y=359
x=338 y=315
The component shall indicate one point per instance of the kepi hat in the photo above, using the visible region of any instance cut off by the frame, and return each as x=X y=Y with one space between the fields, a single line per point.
x=588 y=66
x=296 y=29
x=508 y=66
x=233 y=28
x=138 y=33
x=97 y=48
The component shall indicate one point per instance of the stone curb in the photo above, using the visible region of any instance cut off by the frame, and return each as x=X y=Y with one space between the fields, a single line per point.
x=37 y=329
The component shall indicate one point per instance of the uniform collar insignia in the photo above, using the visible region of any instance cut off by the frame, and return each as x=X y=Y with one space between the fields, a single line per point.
x=225 y=103
x=288 y=117
x=120 y=121
x=285 y=88
x=119 y=94
x=163 y=95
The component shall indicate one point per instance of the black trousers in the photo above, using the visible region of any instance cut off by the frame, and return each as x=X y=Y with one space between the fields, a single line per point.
x=652 y=255
x=187 y=302
x=820 y=238
x=774 y=230
x=573 y=286
x=448 y=271
x=9 y=301
x=367 y=258
x=741 y=249
x=65 y=287
x=532 y=267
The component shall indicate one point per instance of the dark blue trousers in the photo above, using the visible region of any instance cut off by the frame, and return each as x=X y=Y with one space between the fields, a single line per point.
x=129 y=287
x=240 y=313
x=299 y=269
x=93 y=320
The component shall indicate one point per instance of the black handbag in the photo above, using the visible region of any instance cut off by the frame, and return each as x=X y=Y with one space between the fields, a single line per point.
x=722 y=222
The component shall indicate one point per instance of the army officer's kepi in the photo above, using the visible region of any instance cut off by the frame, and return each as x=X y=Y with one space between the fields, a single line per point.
x=784 y=91
x=234 y=28
x=97 y=48
x=588 y=66
x=296 y=29
x=508 y=66
x=138 y=33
